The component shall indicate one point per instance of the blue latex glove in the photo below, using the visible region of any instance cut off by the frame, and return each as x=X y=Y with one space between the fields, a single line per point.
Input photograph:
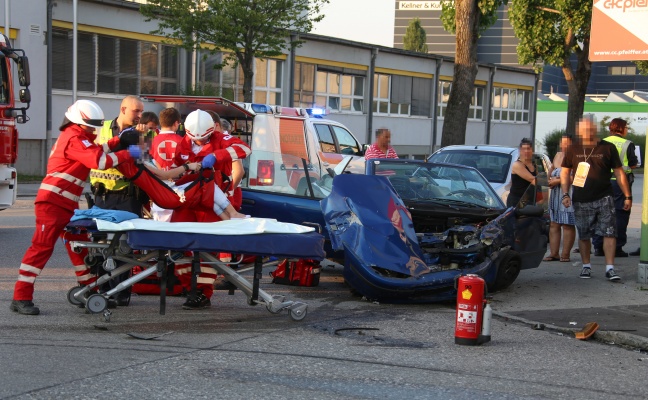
x=209 y=161
x=135 y=151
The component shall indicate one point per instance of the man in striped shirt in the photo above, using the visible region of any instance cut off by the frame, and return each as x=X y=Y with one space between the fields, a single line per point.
x=381 y=149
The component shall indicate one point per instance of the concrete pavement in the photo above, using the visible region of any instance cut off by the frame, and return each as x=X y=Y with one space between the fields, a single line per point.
x=553 y=297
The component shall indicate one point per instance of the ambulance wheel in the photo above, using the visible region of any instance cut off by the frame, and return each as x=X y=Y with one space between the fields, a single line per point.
x=507 y=271
x=298 y=313
x=70 y=295
x=96 y=303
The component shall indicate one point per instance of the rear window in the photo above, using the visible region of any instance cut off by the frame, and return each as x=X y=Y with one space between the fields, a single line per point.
x=494 y=166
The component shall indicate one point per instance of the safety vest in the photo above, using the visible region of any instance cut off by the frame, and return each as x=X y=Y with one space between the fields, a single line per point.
x=111 y=178
x=622 y=145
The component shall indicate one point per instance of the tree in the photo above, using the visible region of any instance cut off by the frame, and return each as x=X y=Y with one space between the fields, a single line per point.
x=550 y=32
x=249 y=29
x=642 y=66
x=415 y=38
x=468 y=19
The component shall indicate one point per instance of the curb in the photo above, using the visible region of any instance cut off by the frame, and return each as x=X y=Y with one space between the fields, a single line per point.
x=607 y=337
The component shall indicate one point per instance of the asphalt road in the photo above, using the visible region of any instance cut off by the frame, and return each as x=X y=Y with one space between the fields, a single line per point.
x=346 y=347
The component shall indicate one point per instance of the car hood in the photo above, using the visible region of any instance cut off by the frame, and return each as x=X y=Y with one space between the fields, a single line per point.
x=364 y=215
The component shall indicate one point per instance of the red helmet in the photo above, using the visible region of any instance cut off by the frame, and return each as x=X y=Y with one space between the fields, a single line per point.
x=199 y=125
x=85 y=112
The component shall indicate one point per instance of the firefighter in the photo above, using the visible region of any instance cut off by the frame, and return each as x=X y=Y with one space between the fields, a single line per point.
x=69 y=164
x=204 y=139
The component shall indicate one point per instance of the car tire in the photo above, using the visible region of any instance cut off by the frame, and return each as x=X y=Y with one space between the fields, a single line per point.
x=508 y=270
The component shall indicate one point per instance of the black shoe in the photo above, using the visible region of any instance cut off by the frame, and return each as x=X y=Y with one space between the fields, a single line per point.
x=599 y=253
x=620 y=254
x=636 y=252
x=24 y=307
x=201 y=301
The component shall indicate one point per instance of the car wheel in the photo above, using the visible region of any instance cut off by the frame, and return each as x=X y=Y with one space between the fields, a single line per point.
x=507 y=271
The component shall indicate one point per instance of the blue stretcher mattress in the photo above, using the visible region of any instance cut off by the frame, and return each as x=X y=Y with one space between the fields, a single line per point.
x=283 y=245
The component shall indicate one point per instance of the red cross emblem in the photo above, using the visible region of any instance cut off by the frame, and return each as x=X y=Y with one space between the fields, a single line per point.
x=166 y=150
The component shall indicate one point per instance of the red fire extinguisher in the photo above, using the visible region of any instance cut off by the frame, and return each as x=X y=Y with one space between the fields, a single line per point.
x=472 y=323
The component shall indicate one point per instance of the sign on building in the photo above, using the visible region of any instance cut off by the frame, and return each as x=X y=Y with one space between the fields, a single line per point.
x=619 y=30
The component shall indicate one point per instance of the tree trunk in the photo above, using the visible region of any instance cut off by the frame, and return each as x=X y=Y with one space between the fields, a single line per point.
x=247 y=65
x=577 y=86
x=465 y=71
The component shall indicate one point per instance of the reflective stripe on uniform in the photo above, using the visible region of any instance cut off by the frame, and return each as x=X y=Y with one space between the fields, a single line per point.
x=30 y=269
x=85 y=277
x=59 y=191
x=28 y=279
x=103 y=160
x=103 y=175
x=81 y=267
x=205 y=280
x=68 y=177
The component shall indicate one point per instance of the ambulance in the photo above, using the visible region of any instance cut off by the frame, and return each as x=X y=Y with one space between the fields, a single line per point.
x=287 y=143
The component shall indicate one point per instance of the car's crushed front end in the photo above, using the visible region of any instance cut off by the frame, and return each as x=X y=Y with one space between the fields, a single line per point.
x=412 y=246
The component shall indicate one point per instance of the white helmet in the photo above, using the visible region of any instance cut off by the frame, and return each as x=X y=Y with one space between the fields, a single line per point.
x=199 y=125
x=85 y=112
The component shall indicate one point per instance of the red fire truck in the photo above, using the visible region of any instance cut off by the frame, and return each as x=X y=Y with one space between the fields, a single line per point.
x=10 y=115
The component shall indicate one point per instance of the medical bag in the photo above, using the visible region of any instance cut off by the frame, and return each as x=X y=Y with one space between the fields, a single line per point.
x=151 y=284
x=302 y=272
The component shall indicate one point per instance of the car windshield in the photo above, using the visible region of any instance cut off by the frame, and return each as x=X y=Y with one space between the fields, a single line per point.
x=437 y=183
x=493 y=165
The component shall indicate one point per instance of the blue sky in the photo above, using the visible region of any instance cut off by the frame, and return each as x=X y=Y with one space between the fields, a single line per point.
x=367 y=21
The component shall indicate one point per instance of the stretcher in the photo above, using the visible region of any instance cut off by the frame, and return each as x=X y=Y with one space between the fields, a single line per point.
x=155 y=246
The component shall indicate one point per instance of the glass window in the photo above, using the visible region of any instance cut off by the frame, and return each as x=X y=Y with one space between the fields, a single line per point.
x=348 y=144
x=267 y=88
x=149 y=59
x=113 y=65
x=340 y=92
x=512 y=105
x=327 y=143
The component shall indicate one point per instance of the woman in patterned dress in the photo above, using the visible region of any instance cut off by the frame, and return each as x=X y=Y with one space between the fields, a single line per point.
x=562 y=219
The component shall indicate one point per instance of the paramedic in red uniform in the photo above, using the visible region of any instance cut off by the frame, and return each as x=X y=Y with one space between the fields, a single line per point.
x=68 y=167
x=164 y=145
x=204 y=139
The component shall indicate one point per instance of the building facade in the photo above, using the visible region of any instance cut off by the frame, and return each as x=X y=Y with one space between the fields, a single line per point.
x=361 y=85
x=498 y=45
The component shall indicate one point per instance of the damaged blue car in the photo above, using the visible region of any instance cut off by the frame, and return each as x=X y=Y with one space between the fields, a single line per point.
x=406 y=229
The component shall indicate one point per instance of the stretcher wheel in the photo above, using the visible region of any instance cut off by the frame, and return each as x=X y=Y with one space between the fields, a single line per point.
x=91 y=261
x=251 y=302
x=96 y=303
x=298 y=313
x=71 y=293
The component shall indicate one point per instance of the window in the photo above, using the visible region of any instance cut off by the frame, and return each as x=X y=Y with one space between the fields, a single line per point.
x=159 y=66
x=330 y=134
x=4 y=89
x=511 y=105
x=392 y=94
x=629 y=70
x=304 y=94
x=223 y=81
x=476 y=111
x=267 y=87
x=62 y=60
x=339 y=91
x=108 y=64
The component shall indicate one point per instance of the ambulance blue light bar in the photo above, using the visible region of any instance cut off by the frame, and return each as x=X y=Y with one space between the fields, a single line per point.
x=314 y=112
x=261 y=108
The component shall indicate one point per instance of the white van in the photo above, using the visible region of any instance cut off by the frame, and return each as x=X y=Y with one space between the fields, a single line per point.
x=281 y=138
